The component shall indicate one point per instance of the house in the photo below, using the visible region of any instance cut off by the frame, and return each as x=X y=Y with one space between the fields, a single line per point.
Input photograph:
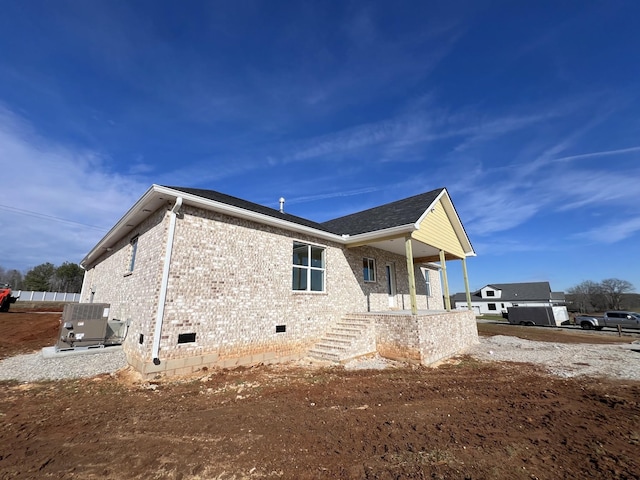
x=207 y=279
x=498 y=297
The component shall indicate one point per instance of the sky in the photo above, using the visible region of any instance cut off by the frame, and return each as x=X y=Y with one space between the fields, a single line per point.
x=527 y=112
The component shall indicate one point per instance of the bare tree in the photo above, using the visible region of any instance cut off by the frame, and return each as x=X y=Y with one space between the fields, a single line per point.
x=587 y=296
x=12 y=277
x=612 y=289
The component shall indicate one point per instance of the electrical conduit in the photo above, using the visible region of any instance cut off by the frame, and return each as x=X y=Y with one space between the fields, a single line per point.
x=165 y=281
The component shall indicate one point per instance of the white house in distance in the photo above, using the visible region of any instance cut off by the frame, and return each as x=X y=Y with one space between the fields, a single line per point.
x=204 y=279
x=496 y=298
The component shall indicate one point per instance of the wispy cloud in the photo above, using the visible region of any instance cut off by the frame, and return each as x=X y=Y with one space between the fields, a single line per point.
x=611 y=232
x=324 y=196
x=605 y=153
x=59 y=196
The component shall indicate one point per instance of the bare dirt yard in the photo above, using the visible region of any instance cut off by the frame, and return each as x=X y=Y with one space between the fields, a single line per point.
x=466 y=419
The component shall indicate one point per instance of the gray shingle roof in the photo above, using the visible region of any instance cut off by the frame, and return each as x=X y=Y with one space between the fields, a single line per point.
x=401 y=212
x=512 y=292
x=253 y=207
x=524 y=291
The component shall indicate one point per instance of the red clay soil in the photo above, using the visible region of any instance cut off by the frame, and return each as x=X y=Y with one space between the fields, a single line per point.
x=463 y=420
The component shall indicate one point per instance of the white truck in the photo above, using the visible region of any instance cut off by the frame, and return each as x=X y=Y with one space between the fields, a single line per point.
x=610 y=319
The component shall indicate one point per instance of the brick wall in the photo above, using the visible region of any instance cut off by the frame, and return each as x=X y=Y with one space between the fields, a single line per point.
x=230 y=285
x=425 y=338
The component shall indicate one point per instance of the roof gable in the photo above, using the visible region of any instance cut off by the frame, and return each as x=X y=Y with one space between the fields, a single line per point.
x=441 y=228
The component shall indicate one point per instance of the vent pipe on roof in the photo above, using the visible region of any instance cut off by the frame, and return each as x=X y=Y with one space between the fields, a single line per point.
x=281 y=204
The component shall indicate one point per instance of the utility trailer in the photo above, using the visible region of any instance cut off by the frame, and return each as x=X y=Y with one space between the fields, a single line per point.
x=87 y=325
x=548 y=316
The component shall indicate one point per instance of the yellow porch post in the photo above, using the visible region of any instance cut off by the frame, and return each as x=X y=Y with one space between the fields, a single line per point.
x=412 y=277
x=466 y=282
x=443 y=264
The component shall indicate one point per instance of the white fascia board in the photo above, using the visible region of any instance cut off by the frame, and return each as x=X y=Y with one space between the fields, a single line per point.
x=113 y=234
x=379 y=235
x=433 y=204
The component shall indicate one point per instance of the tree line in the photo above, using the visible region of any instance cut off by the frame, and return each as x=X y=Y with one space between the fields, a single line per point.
x=590 y=296
x=46 y=278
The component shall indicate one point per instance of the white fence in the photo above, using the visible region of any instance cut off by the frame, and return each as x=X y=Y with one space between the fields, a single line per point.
x=31 y=296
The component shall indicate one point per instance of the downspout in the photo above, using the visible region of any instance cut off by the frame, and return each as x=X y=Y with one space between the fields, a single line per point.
x=164 y=282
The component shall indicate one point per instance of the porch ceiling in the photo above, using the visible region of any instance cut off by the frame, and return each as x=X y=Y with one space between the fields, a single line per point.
x=397 y=246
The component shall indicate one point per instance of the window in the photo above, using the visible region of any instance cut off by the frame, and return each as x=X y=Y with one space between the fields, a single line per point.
x=134 y=249
x=491 y=293
x=427 y=279
x=308 y=268
x=369 y=269
x=491 y=306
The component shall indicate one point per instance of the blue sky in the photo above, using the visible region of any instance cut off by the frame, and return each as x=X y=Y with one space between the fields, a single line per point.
x=527 y=112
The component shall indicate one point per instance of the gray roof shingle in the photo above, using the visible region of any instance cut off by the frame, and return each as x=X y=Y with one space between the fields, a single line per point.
x=513 y=292
x=246 y=205
x=401 y=212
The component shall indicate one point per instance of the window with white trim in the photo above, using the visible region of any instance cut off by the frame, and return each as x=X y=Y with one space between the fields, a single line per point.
x=308 y=267
x=492 y=306
x=369 y=269
x=427 y=280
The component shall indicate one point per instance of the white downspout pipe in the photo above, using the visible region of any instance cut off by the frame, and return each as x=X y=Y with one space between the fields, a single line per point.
x=164 y=282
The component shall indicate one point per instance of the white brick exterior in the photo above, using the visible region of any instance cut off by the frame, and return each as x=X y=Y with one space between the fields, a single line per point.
x=230 y=284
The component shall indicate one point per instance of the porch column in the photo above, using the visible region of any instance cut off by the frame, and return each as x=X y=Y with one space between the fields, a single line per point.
x=412 y=277
x=443 y=264
x=466 y=282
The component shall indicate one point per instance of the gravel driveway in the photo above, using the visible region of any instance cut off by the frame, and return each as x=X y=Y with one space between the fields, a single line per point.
x=621 y=361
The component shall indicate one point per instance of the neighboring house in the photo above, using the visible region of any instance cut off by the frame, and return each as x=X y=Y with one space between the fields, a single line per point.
x=206 y=279
x=498 y=297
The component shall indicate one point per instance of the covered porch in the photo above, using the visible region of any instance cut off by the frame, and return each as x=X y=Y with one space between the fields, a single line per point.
x=436 y=238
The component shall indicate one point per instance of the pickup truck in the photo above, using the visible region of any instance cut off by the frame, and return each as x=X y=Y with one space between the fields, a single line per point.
x=610 y=319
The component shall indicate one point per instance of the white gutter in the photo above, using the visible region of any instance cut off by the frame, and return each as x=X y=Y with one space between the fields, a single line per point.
x=164 y=282
x=380 y=235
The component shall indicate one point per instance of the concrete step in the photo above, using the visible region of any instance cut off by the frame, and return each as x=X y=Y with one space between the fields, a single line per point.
x=322 y=355
x=331 y=347
x=352 y=322
x=340 y=336
x=336 y=344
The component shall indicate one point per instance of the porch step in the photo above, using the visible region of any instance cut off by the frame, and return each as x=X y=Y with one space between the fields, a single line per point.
x=348 y=338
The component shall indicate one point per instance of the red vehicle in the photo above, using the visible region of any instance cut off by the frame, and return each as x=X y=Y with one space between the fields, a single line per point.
x=6 y=299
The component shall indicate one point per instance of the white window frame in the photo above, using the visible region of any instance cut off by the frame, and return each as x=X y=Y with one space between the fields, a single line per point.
x=370 y=269
x=308 y=269
x=427 y=280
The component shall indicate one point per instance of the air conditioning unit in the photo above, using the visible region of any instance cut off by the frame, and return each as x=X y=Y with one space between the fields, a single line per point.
x=87 y=325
